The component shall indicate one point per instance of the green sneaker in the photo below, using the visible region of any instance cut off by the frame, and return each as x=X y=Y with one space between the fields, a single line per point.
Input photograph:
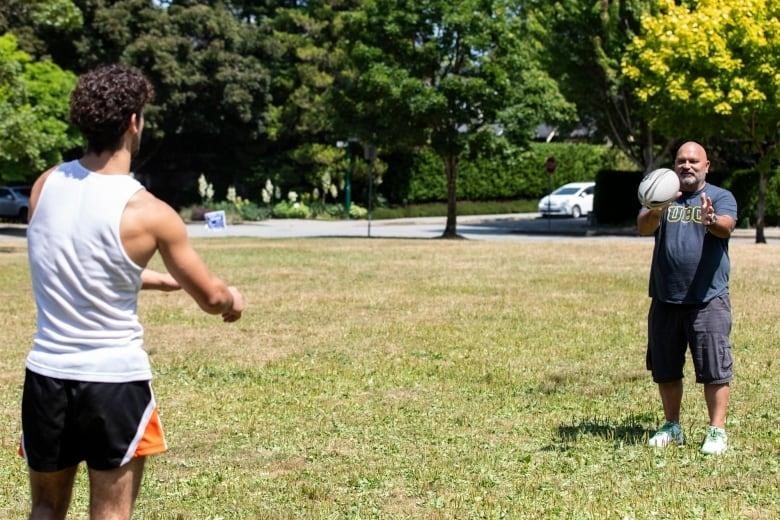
x=670 y=433
x=715 y=442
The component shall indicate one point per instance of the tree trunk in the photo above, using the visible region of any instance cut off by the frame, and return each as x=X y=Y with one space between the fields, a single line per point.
x=652 y=157
x=761 y=203
x=451 y=169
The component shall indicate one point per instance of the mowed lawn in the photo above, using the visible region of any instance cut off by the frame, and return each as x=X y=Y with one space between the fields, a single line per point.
x=430 y=379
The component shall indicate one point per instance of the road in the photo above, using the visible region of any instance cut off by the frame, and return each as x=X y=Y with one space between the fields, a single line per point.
x=516 y=226
x=526 y=226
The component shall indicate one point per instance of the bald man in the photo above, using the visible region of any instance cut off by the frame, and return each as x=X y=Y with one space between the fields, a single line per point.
x=690 y=306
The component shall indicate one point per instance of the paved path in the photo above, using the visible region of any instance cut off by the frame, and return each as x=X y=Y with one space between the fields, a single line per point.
x=516 y=226
x=491 y=227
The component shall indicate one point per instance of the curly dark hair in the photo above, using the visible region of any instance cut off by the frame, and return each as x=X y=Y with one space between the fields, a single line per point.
x=103 y=101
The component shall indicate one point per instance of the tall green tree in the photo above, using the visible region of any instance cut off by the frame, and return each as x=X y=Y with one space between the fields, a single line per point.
x=33 y=113
x=209 y=73
x=35 y=22
x=584 y=42
x=710 y=71
x=208 y=66
x=302 y=50
x=455 y=76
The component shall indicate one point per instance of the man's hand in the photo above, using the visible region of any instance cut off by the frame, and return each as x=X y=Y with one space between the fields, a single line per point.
x=236 y=308
x=708 y=216
x=720 y=226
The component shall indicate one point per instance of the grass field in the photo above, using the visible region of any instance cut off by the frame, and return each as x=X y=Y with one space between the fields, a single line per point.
x=430 y=379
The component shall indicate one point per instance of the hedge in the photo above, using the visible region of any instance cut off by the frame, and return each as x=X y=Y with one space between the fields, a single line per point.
x=517 y=174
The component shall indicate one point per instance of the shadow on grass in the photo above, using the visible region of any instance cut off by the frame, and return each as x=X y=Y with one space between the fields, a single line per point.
x=13 y=231
x=630 y=430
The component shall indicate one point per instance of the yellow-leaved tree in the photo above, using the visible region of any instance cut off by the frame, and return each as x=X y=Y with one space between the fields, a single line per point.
x=711 y=69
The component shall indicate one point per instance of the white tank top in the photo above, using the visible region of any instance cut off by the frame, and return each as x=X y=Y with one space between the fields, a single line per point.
x=85 y=285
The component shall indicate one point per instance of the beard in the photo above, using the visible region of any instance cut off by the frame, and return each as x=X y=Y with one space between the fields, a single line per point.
x=688 y=181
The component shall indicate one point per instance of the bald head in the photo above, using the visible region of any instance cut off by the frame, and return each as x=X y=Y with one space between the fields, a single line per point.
x=692 y=166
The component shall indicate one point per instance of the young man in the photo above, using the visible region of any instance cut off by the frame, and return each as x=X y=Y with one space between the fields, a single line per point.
x=690 y=297
x=93 y=228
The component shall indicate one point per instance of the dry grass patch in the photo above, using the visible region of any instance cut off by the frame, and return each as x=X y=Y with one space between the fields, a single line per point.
x=430 y=379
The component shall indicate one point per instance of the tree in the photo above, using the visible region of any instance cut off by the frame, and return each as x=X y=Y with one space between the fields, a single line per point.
x=584 y=42
x=239 y=86
x=709 y=71
x=211 y=82
x=456 y=76
x=34 y=22
x=33 y=113
x=303 y=53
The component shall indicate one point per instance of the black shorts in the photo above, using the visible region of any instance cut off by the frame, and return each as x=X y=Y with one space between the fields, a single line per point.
x=705 y=328
x=65 y=422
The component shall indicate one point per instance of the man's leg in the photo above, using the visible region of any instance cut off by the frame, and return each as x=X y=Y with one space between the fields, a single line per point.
x=665 y=356
x=671 y=431
x=50 y=493
x=112 y=493
x=717 y=398
x=671 y=399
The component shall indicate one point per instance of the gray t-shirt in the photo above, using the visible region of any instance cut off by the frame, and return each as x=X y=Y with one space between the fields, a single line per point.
x=690 y=265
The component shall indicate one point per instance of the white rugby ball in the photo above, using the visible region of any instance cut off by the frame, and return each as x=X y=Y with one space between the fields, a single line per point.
x=658 y=188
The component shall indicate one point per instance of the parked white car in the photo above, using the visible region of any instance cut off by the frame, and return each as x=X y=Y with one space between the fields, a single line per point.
x=574 y=199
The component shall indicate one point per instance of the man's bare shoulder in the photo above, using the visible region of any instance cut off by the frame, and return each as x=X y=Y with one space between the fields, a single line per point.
x=149 y=224
x=151 y=213
x=145 y=201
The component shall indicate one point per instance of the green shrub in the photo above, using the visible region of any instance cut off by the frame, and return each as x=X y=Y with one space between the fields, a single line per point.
x=356 y=211
x=250 y=211
x=323 y=210
x=287 y=209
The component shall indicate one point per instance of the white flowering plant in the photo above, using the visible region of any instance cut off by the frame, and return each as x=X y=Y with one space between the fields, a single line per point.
x=205 y=189
x=236 y=208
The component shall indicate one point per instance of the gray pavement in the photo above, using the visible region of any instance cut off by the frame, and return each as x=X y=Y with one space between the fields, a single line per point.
x=515 y=226
x=525 y=226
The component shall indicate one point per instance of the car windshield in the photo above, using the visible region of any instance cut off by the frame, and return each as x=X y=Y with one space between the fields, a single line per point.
x=25 y=190
x=566 y=191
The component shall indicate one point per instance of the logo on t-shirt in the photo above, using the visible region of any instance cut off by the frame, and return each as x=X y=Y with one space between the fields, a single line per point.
x=684 y=214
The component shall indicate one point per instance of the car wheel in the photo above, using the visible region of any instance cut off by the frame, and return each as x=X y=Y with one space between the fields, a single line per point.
x=23 y=215
x=576 y=212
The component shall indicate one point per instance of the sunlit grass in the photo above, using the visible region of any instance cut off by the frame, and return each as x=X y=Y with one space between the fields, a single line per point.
x=430 y=379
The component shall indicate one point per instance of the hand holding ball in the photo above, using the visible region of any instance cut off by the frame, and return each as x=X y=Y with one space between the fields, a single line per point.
x=658 y=188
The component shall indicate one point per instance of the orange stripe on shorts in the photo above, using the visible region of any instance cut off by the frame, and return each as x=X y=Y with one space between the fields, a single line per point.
x=153 y=440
